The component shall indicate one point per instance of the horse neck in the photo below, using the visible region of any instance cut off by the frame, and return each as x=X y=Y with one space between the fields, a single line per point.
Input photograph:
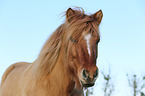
x=60 y=74
x=63 y=75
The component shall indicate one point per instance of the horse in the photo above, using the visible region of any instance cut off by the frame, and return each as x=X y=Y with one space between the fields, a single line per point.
x=66 y=64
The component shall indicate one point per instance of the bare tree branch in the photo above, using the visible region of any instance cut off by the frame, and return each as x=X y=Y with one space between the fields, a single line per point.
x=137 y=84
x=108 y=87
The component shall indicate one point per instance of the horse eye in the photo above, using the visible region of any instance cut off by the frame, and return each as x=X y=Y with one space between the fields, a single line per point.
x=73 y=40
x=98 y=41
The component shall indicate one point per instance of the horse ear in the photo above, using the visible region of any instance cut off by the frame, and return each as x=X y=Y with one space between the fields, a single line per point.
x=69 y=14
x=98 y=16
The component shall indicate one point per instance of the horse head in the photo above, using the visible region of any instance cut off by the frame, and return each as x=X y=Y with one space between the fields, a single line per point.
x=83 y=36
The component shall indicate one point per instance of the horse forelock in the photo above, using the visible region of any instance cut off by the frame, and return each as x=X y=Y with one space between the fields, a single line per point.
x=81 y=23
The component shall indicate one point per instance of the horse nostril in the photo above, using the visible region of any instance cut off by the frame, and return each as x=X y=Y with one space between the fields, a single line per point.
x=84 y=73
x=96 y=73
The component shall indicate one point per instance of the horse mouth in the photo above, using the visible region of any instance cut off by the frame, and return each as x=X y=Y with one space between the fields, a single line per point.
x=87 y=84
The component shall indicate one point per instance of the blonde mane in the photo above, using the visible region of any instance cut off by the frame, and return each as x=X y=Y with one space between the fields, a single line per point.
x=74 y=26
x=49 y=53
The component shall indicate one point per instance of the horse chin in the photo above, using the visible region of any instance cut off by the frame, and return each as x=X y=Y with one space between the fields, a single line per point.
x=87 y=84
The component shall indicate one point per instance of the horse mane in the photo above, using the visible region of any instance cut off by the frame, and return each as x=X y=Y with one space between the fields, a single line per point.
x=74 y=26
x=49 y=53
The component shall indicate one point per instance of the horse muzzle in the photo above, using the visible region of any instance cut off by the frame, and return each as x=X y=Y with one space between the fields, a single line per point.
x=88 y=77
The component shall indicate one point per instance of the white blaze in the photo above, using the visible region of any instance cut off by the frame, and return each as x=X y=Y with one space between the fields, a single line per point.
x=87 y=38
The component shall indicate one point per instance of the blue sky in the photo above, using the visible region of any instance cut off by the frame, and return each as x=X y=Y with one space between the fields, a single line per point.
x=25 y=26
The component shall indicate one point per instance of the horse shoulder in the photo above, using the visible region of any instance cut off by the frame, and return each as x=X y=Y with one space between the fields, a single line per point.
x=7 y=72
x=10 y=69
